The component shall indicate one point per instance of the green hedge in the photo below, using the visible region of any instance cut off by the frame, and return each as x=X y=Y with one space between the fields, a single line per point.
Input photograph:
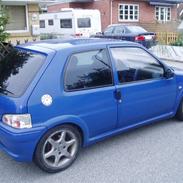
x=179 y=41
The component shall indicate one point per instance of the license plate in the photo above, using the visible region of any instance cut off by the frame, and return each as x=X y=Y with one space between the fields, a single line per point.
x=149 y=37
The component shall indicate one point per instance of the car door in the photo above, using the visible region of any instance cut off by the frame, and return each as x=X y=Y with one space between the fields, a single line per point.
x=145 y=93
x=89 y=91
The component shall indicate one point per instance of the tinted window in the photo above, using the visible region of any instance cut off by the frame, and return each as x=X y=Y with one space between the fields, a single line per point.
x=50 y=22
x=88 y=70
x=66 y=23
x=17 y=70
x=135 y=64
x=42 y=23
x=84 y=22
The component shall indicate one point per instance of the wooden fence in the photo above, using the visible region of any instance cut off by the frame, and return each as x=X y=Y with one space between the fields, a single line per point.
x=167 y=37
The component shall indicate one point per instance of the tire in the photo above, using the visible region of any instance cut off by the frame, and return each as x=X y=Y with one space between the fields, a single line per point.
x=179 y=114
x=58 y=149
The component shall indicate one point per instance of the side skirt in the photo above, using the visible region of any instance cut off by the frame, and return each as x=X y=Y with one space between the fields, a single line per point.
x=124 y=129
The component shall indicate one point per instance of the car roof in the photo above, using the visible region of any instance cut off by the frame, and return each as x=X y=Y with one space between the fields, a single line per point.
x=59 y=44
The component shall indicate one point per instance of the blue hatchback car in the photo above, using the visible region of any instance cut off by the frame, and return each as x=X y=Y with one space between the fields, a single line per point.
x=58 y=96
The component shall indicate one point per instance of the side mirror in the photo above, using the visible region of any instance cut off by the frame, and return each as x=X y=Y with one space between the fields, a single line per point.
x=168 y=73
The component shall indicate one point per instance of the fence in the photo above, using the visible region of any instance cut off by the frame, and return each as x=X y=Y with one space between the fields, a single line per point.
x=167 y=37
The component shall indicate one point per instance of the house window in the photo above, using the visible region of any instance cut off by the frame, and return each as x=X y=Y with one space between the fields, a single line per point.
x=163 y=13
x=128 y=12
x=50 y=22
x=42 y=23
x=17 y=18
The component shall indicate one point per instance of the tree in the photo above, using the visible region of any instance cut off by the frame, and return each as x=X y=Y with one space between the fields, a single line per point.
x=3 y=22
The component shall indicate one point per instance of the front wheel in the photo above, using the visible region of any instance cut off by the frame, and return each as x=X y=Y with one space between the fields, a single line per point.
x=58 y=148
x=179 y=114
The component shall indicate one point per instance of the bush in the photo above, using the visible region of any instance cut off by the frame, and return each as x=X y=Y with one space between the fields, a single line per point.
x=3 y=22
x=179 y=41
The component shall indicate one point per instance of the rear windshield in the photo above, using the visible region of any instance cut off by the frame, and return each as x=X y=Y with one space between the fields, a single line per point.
x=17 y=69
x=136 y=29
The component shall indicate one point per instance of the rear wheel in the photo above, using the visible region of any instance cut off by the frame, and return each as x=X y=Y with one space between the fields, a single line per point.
x=179 y=114
x=58 y=148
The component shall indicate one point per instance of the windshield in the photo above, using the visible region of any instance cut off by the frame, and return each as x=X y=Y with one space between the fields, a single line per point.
x=136 y=29
x=17 y=69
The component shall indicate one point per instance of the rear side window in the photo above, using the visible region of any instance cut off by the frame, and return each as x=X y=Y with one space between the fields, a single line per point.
x=84 y=22
x=66 y=23
x=87 y=70
x=109 y=31
x=17 y=69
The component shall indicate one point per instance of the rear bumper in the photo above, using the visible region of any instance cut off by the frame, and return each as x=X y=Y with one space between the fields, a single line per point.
x=148 y=44
x=20 y=144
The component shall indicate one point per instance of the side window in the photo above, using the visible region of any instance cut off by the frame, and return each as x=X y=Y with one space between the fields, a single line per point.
x=135 y=64
x=66 y=23
x=86 y=70
x=119 y=30
x=84 y=22
x=50 y=22
x=42 y=23
x=109 y=31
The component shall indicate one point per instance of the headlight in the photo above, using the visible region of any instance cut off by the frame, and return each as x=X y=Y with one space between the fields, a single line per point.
x=17 y=120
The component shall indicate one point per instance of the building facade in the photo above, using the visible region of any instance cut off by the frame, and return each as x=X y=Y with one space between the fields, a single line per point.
x=23 y=20
x=154 y=15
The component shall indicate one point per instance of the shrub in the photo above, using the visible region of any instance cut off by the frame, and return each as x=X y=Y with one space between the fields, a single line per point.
x=3 y=22
x=179 y=41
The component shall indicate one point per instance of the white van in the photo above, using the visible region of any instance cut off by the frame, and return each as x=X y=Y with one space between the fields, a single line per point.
x=75 y=22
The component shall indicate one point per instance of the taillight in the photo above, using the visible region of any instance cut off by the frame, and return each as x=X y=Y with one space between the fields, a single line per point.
x=139 y=38
x=78 y=34
x=17 y=120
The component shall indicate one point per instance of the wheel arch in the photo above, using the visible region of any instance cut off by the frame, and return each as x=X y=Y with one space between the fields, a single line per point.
x=70 y=120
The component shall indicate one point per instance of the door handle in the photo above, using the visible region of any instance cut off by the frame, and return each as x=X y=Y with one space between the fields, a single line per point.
x=117 y=95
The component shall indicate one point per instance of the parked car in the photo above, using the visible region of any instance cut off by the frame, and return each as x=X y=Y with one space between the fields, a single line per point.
x=130 y=33
x=60 y=95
